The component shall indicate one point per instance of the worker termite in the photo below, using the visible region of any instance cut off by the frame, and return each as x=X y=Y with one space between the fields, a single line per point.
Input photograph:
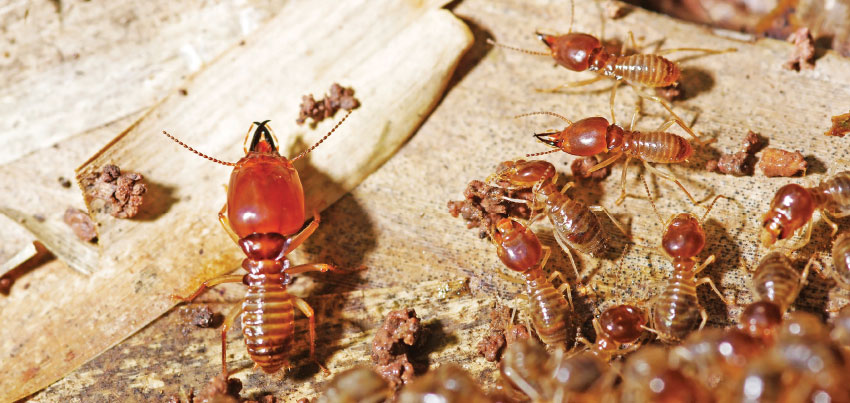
x=263 y=213
x=793 y=205
x=714 y=355
x=551 y=314
x=841 y=260
x=558 y=377
x=675 y=312
x=574 y=223
x=359 y=384
x=649 y=376
x=616 y=327
x=447 y=384
x=594 y=136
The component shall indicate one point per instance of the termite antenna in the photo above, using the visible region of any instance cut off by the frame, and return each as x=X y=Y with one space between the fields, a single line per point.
x=218 y=161
x=711 y=206
x=521 y=50
x=646 y=187
x=544 y=113
x=572 y=15
x=307 y=151
x=542 y=153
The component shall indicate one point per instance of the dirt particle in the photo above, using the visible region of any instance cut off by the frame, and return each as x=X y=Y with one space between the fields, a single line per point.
x=580 y=168
x=803 y=55
x=183 y=92
x=70 y=356
x=339 y=98
x=122 y=193
x=615 y=9
x=840 y=125
x=220 y=390
x=201 y=316
x=64 y=182
x=81 y=223
x=39 y=217
x=393 y=344
x=485 y=205
x=5 y=285
x=741 y=163
x=776 y=162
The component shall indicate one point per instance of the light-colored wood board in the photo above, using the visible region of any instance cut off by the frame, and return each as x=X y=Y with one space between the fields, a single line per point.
x=70 y=66
x=399 y=67
x=396 y=224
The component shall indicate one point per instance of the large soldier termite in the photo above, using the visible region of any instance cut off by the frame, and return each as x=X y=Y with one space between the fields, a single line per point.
x=263 y=213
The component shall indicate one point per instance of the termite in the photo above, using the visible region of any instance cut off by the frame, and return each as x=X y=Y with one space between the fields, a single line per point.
x=263 y=213
x=359 y=384
x=793 y=205
x=675 y=312
x=840 y=270
x=574 y=223
x=558 y=377
x=595 y=136
x=649 y=376
x=616 y=327
x=447 y=384
x=715 y=355
x=551 y=314
x=585 y=52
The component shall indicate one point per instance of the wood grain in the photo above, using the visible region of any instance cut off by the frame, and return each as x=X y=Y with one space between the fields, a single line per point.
x=395 y=223
x=399 y=67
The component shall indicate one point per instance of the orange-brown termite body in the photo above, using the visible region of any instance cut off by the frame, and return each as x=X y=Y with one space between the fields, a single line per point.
x=793 y=205
x=575 y=224
x=521 y=251
x=595 y=136
x=616 y=327
x=263 y=214
x=676 y=311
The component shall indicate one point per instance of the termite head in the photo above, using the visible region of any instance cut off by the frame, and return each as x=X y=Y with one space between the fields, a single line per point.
x=761 y=320
x=516 y=245
x=575 y=51
x=623 y=323
x=683 y=237
x=525 y=174
x=585 y=137
x=790 y=209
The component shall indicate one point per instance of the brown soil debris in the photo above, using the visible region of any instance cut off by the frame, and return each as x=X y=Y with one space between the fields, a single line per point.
x=581 y=166
x=123 y=193
x=64 y=182
x=776 y=162
x=804 y=50
x=81 y=223
x=393 y=344
x=220 y=390
x=484 y=205
x=502 y=333
x=201 y=316
x=614 y=9
x=840 y=125
x=339 y=98
x=741 y=163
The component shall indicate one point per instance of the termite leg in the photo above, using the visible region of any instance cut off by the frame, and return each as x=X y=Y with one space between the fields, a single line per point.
x=612 y=159
x=584 y=341
x=303 y=235
x=225 y=222
x=616 y=223
x=834 y=226
x=704 y=315
x=226 y=325
x=709 y=51
x=806 y=238
x=707 y=262
x=572 y=84
x=671 y=178
x=303 y=268
x=235 y=278
x=567 y=187
x=566 y=249
x=706 y=280
x=614 y=95
x=623 y=182
x=565 y=286
x=308 y=312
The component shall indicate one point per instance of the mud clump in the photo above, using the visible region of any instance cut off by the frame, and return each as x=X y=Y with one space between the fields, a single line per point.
x=81 y=223
x=339 y=98
x=122 y=193
x=394 y=344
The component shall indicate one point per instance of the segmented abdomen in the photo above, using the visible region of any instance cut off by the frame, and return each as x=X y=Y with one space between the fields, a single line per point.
x=676 y=311
x=549 y=312
x=841 y=259
x=838 y=190
x=660 y=147
x=577 y=225
x=776 y=280
x=645 y=69
x=268 y=321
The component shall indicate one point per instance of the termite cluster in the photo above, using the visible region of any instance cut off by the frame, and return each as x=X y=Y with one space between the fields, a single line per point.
x=782 y=353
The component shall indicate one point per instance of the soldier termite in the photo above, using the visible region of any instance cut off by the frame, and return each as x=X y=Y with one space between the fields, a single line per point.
x=793 y=205
x=595 y=136
x=263 y=214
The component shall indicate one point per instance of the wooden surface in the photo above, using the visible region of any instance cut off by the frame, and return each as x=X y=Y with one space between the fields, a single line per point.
x=395 y=223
